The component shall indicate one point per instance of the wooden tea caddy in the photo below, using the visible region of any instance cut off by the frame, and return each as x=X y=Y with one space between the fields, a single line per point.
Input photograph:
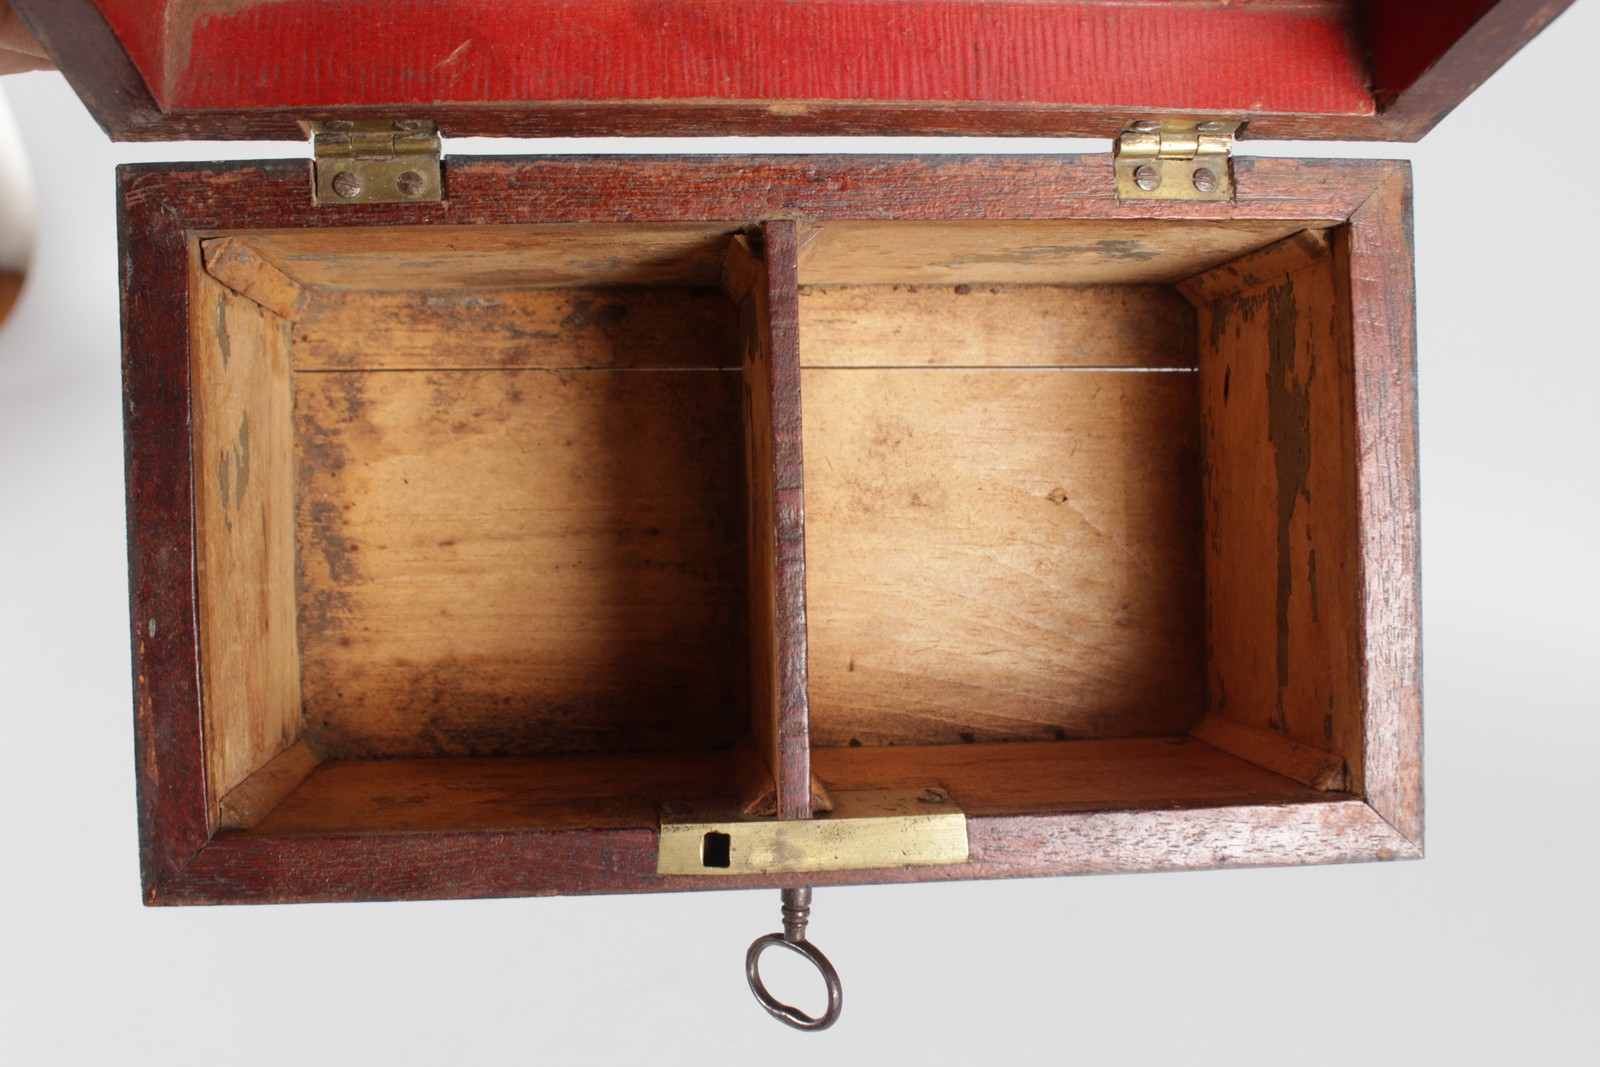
x=516 y=526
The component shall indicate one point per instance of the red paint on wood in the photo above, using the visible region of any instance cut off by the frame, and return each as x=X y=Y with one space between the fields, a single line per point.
x=1423 y=66
x=1406 y=37
x=153 y=70
x=1294 y=57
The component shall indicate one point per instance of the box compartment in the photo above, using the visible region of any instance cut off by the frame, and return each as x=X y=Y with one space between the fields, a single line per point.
x=476 y=503
x=506 y=526
x=1044 y=467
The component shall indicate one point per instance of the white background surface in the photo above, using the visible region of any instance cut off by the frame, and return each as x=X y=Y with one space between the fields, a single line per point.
x=1485 y=952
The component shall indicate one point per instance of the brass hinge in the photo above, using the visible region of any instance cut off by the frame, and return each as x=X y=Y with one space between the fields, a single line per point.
x=1172 y=159
x=377 y=161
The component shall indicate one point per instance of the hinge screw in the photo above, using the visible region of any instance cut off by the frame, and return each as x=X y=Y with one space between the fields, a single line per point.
x=1205 y=180
x=1147 y=178
x=346 y=184
x=1147 y=126
x=410 y=183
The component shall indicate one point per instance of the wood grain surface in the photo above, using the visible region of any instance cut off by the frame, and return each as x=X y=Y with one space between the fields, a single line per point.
x=521 y=561
x=538 y=191
x=261 y=868
x=435 y=258
x=252 y=800
x=1283 y=558
x=484 y=329
x=1002 y=555
x=1036 y=778
x=1375 y=254
x=1039 y=252
x=1315 y=767
x=1226 y=280
x=996 y=326
x=616 y=790
x=767 y=291
x=608 y=790
x=245 y=534
x=158 y=441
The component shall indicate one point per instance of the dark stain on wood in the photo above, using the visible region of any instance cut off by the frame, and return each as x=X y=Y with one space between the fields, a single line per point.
x=241 y=463
x=323 y=610
x=585 y=314
x=224 y=341
x=327 y=533
x=233 y=475
x=1289 y=431
x=1123 y=251
x=1311 y=583
x=223 y=491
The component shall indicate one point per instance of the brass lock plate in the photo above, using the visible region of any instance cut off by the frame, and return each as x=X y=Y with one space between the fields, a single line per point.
x=866 y=829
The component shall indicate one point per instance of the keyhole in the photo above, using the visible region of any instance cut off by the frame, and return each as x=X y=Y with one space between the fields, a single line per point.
x=715 y=849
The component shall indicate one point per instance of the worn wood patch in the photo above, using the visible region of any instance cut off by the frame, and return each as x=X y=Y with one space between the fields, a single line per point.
x=245 y=548
x=1002 y=555
x=242 y=268
x=465 y=329
x=521 y=561
x=996 y=325
x=1283 y=562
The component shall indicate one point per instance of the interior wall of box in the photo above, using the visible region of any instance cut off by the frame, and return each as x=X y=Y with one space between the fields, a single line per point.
x=473 y=494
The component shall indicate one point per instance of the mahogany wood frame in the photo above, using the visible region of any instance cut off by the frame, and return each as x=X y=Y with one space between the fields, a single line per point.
x=1389 y=73
x=164 y=209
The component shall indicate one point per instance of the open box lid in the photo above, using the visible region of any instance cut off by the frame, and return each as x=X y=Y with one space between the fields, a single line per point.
x=263 y=69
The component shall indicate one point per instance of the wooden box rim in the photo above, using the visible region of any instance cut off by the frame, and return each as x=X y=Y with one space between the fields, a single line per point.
x=164 y=208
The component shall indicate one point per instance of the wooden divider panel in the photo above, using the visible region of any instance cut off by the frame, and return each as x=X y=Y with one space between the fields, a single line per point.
x=766 y=289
